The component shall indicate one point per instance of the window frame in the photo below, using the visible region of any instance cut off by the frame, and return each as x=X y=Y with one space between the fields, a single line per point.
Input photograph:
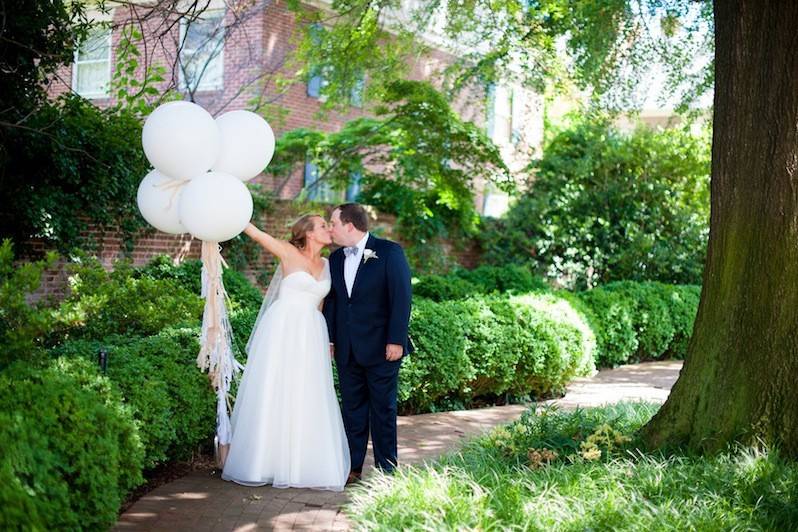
x=358 y=92
x=489 y=192
x=490 y=104
x=316 y=83
x=517 y=114
x=184 y=26
x=354 y=187
x=318 y=191
x=503 y=122
x=77 y=62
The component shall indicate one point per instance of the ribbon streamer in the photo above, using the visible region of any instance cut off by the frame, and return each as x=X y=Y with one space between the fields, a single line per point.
x=216 y=343
x=174 y=185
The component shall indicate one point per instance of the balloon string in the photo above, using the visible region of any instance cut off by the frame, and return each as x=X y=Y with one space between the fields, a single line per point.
x=174 y=185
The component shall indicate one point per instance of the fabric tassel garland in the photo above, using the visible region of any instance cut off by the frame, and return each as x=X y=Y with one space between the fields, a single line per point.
x=216 y=344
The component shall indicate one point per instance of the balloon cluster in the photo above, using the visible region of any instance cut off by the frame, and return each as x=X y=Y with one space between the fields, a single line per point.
x=201 y=165
x=198 y=187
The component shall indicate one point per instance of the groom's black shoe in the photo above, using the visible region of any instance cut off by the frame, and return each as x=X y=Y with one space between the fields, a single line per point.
x=354 y=476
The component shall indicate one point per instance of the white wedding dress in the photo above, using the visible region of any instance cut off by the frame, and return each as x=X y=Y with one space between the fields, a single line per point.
x=286 y=423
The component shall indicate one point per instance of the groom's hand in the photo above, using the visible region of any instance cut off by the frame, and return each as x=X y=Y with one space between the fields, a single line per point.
x=393 y=352
x=332 y=350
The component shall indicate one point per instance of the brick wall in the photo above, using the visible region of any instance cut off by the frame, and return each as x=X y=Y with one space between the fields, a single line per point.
x=259 y=47
x=254 y=51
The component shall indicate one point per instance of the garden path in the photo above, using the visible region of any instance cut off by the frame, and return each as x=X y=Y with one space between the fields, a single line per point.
x=201 y=501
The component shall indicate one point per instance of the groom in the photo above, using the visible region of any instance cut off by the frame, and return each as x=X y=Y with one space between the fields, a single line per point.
x=367 y=312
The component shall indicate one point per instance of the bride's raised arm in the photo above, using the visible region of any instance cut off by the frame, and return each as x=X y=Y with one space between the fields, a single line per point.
x=279 y=248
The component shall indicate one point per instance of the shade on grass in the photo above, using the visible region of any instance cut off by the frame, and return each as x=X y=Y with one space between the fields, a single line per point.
x=491 y=484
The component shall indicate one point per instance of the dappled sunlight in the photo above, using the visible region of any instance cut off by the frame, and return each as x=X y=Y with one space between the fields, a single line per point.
x=202 y=499
x=191 y=496
x=141 y=515
x=491 y=485
x=427 y=436
x=649 y=381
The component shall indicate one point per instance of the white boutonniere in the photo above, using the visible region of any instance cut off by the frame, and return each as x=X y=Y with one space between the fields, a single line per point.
x=369 y=254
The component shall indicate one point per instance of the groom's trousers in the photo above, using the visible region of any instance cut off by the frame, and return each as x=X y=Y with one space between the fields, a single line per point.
x=368 y=397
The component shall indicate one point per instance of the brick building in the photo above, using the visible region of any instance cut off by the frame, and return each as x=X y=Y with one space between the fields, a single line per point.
x=227 y=58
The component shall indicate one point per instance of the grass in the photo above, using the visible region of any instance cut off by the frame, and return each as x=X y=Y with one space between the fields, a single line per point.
x=582 y=470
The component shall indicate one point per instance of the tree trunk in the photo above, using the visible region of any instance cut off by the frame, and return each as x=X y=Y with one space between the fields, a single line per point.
x=740 y=379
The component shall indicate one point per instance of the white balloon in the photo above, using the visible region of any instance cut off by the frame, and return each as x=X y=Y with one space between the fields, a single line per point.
x=215 y=206
x=181 y=139
x=247 y=144
x=158 y=198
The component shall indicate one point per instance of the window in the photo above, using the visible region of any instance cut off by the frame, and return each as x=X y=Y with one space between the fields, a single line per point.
x=319 y=79
x=500 y=114
x=319 y=75
x=316 y=82
x=311 y=176
x=202 y=52
x=354 y=186
x=496 y=202
x=317 y=190
x=502 y=126
x=356 y=95
x=91 y=73
x=517 y=114
x=490 y=104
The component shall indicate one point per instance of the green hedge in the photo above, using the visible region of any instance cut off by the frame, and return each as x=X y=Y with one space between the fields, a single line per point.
x=245 y=297
x=462 y=283
x=493 y=345
x=122 y=301
x=71 y=451
x=607 y=205
x=243 y=294
x=534 y=344
x=153 y=405
x=506 y=279
x=496 y=332
x=22 y=325
x=440 y=365
x=170 y=399
x=636 y=321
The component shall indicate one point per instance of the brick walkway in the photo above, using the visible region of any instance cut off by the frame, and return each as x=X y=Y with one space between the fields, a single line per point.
x=202 y=501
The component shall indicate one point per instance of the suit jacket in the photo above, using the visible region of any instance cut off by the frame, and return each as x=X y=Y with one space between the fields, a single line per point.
x=378 y=312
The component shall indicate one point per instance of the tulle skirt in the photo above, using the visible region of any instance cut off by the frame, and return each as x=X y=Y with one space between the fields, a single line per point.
x=287 y=426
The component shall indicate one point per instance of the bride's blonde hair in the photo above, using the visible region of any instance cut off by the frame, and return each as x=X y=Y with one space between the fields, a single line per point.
x=301 y=228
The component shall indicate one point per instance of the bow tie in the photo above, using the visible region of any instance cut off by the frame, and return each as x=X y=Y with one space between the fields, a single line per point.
x=350 y=251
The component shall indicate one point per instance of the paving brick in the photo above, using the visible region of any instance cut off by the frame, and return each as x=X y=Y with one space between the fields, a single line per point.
x=173 y=507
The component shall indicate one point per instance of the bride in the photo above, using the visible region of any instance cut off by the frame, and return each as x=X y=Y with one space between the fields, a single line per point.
x=287 y=427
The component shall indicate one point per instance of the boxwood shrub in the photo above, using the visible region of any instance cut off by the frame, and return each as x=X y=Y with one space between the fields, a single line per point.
x=171 y=401
x=71 y=448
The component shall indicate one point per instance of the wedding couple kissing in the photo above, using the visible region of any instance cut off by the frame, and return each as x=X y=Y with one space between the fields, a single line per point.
x=288 y=429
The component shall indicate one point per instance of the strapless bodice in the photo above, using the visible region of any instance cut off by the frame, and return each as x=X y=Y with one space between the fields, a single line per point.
x=302 y=287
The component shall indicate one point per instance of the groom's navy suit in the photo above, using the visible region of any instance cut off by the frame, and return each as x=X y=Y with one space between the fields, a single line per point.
x=361 y=325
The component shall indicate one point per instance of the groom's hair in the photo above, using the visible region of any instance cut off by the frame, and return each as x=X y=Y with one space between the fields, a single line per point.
x=356 y=214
